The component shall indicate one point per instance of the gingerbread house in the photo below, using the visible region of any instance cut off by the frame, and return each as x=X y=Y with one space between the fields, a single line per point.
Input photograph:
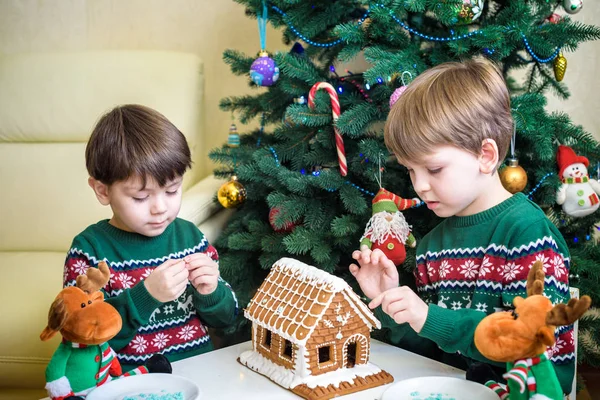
x=311 y=333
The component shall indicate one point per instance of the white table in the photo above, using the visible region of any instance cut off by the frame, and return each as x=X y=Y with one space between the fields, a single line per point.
x=220 y=376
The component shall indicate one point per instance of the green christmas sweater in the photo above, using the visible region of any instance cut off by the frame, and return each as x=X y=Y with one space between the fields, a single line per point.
x=177 y=328
x=469 y=267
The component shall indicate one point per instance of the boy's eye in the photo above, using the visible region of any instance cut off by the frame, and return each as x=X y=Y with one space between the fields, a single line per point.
x=434 y=171
x=172 y=193
x=140 y=199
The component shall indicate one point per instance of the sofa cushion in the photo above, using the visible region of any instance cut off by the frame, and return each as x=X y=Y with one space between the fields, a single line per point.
x=46 y=198
x=49 y=104
x=30 y=282
x=59 y=96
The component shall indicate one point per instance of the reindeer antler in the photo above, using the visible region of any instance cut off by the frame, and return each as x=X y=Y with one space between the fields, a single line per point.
x=535 y=279
x=566 y=314
x=94 y=279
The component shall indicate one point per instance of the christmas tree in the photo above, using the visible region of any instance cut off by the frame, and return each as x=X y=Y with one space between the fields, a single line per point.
x=311 y=170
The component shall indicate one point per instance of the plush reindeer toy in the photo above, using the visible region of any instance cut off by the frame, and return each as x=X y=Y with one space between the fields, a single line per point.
x=84 y=360
x=520 y=339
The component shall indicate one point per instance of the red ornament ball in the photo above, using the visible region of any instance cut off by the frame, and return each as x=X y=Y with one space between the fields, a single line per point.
x=288 y=227
x=554 y=18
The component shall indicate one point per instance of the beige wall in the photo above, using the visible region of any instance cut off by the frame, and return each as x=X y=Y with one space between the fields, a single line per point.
x=207 y=27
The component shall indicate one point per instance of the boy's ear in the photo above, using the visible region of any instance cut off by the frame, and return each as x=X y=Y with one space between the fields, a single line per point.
x=100 y=189
x=488 y=160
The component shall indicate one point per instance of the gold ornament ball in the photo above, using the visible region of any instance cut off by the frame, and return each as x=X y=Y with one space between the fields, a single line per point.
x=232 y=193
x=513 y=176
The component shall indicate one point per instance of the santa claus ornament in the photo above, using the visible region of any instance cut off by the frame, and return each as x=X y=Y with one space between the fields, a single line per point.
x=578 y=194
x=387 y=230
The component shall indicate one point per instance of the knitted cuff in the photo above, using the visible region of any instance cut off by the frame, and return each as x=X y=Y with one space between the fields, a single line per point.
x=439 y=325
x=206 y=301
x=386 y=320
x=143 y=301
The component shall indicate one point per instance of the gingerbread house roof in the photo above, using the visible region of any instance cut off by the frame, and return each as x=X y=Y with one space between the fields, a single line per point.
x=295 y=296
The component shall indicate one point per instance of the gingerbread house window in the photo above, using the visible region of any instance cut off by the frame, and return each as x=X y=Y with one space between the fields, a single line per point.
x=324 y=354
x=267 y=338
x=287 y=349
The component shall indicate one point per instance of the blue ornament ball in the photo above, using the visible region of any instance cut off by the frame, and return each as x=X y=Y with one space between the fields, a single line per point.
x=264 y=71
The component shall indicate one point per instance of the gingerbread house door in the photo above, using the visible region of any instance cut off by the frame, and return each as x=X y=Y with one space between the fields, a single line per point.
x=355 y=350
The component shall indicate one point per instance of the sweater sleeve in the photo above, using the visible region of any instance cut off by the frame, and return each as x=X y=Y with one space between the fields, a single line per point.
x=453 y=331
x=57 y=384
x=218 y=309
x=542 y=241
x=135 y=305
x=403 y=336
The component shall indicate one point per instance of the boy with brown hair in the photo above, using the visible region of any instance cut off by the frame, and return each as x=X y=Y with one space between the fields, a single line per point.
x=451 y=128
x=165 y=279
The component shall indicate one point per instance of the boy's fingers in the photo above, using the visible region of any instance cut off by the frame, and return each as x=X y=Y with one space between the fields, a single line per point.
x=196 y=256
x=399 y=317
x=366 y=257
x=395 y=306
x=195 y=263
x=356 y=254
x=178 y=268
x=377 y=301
x=201 y=263
x=181 y=276
x=377 y=256
x=202 y=280
x=354 y=269
x=180 y=289
x=382 y=258
x=202 y=271
x=388 y=264
x=167 y=264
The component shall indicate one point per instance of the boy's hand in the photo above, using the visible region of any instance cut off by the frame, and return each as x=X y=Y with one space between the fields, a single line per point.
x=403 y=305
x=204 y=272
x=376 y=273
x=168 y=281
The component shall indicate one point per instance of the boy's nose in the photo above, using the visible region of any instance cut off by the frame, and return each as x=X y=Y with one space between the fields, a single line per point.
x=159 y=206
x=421 y=185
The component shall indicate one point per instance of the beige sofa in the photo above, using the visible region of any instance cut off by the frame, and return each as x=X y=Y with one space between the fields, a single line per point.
x=48 y=106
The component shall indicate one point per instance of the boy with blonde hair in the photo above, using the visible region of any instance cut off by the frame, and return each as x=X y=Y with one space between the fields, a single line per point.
x=451 y=128
x=165 y=279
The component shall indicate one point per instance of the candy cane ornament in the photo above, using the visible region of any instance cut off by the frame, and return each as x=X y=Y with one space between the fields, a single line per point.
x=335 y=110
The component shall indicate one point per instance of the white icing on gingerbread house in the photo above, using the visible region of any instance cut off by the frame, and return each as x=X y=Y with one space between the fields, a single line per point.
x=309 y=328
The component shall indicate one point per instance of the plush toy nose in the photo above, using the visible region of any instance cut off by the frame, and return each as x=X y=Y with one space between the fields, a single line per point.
x=94 y=324
x=105 y=319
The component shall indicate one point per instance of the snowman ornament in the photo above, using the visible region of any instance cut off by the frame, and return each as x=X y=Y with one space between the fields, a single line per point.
x=578 y=194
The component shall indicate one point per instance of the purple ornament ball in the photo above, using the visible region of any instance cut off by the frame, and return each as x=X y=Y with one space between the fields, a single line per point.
x=264 y=71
